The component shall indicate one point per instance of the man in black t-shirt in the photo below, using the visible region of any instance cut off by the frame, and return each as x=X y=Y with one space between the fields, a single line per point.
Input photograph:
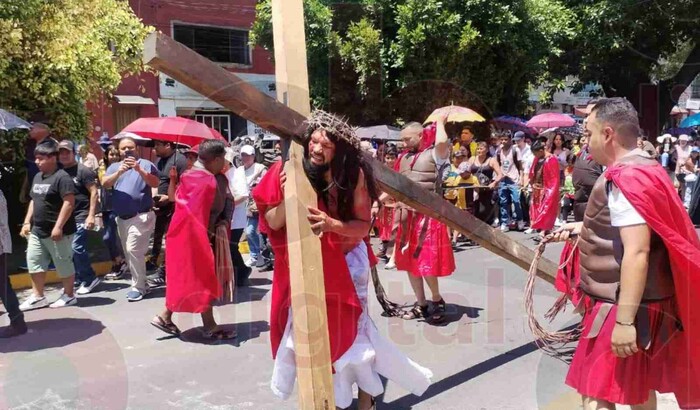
x=85 y=182
x=164 y=208
x=49 y=227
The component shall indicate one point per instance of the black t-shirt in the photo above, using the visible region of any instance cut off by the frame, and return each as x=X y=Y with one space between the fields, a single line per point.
x=48 y=193
x=83 y=177
x=177 y=160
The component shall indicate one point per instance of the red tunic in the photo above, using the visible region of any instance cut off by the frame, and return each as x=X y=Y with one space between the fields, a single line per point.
x=192 y=281
x=545 y=199
x=671 y=364
x=385 y=222
x=342 y=304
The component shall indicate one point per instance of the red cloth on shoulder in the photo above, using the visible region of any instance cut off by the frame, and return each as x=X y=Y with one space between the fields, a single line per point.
x=649 y=190
x=192 y=282
x=545 y=201
x=342 y=304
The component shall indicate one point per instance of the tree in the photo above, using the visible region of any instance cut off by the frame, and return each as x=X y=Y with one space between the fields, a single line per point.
x=644 y=51
x=56 y=55
x=395 y=60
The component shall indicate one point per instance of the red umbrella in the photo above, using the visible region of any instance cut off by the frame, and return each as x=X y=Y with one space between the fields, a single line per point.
x=551 y=119
x=173 y=129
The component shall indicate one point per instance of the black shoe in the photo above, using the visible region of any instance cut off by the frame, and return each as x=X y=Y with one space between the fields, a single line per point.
x=242 y=277
x=117 y=272
x=17 y=328
x=156 y=280
x=150 y=266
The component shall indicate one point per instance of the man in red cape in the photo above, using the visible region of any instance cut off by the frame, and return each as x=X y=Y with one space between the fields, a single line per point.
x=544 y=178
x=639 y=272
x=344 y=183
x=202 y=203
x=423 y=245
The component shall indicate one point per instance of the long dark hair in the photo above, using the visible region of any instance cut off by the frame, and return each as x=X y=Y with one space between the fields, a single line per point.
x=345 y=173
x=105 y=157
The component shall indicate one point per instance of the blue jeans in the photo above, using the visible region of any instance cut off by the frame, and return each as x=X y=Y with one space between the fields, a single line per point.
x=81 y=257
x=253 y=236
x=110 y=236
x=509 y=193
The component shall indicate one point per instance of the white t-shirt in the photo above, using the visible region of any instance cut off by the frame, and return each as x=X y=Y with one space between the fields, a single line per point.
x=526 y=157
x=239 y=188
x=622 y=213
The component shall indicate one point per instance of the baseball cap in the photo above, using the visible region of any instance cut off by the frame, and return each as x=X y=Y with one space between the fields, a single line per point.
x=518 y=136
x=247 y=150
x=66 y=144
x=462 y=168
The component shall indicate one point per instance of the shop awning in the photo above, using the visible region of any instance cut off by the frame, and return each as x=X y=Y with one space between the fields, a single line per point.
x=133 y=100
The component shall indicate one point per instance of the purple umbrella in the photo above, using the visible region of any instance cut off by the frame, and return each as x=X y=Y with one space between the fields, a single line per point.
x=514 y=124
x=550 y=120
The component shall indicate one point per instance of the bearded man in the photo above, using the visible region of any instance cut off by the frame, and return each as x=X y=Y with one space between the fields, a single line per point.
x=343 y=181
x=639 y=269
x=423 y=248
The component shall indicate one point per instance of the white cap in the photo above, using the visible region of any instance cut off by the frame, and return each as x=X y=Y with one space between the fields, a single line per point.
x=462 y=168
x=248 y=150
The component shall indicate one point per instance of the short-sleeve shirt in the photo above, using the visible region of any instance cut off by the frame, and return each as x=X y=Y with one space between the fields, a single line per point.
x=131 y=195
x=239 y=188
x=177 y=160
x=48 y=192
x=83 y=178
x=622 y=213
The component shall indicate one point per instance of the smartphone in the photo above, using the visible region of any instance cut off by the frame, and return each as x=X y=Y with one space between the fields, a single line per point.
x=129 y=154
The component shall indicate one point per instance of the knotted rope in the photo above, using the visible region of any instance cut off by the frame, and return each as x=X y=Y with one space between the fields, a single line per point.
x=552 y=343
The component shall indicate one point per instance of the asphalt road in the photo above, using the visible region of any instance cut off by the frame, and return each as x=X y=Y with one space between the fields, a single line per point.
x=104 y=354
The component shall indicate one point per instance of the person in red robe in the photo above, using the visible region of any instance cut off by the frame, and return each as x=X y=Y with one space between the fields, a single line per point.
x=423 y=247
x=341 y=218
x=202 y=203
x=544 y=178
x=383 y=211
x=639 y=275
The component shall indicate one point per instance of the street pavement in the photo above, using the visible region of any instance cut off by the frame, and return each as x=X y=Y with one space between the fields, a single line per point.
x=104 y=354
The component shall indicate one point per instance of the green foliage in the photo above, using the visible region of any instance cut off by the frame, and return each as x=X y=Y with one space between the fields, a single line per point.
x=55 y=56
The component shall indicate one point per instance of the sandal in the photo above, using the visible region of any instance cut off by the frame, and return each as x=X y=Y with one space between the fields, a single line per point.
x=168 y=328
x=438 y=311
x=417 y=312
x=218 y=334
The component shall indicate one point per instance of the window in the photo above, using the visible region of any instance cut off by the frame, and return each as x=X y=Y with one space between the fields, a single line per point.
x=695 y=89
x=219 y=122
x=221 y=45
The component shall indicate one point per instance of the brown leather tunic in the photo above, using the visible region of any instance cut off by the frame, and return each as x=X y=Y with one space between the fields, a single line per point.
x=601 y=250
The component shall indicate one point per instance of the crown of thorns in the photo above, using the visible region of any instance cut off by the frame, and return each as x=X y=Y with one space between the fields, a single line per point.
x=334 y=125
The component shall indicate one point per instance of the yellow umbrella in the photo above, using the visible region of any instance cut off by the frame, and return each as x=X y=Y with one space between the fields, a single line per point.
x=455 y=114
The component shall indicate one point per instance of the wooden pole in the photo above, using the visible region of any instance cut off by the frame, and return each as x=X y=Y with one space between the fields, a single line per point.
x=215 y=82
x=310 y=320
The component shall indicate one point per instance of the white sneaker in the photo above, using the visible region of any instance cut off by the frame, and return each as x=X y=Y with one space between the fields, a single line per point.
x=64 y=301
x=86 y=288
x=251 y=262
x=529 y=231
x=505 y=228
x=391 y=265
x=521 y=225
x=33 y=302
x=495 y=223
x=558 y=222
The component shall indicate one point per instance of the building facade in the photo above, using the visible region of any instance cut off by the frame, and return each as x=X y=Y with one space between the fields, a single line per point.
x=216 y=29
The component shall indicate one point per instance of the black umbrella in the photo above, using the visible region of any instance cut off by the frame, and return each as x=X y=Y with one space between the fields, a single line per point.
x=379 y=132
x=9 y=121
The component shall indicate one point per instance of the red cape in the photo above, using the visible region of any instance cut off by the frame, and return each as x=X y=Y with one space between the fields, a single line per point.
x=192 y=282
x=649 y=190
x=545 y=202
x=342 y=304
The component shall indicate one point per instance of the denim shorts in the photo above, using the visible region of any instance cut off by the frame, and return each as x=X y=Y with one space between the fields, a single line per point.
x=41 y=251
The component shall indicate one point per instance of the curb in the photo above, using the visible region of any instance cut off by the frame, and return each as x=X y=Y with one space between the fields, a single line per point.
x=23 y=280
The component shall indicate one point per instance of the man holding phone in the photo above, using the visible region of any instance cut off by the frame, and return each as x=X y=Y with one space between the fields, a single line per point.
x=132 y=200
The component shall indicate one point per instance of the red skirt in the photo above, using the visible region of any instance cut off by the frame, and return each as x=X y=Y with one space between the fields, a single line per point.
x=596 y=372
x=385 y=223
x=429 y=251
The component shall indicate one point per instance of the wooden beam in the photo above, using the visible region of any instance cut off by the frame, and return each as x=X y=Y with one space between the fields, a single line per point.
x=224 y=87
x=310 y=321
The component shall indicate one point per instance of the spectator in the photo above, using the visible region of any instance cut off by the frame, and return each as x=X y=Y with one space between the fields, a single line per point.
x=682 y=154
x=568 y=190
x=691 y=167
x=586 y=172
x=466 y=140
x=37 y=134
x=49 y=227
x=192 y=155
x=132 y=200
x=644 y=144
x=87 y=158
x=522 y=148
x=509 y=185
x=253 y=172
x=665 y=149
x=559 y=150
x=485 y=168
x=7 y=294
x=110 y=235
x=494 y=145
x=239 y=220
x=163 y=207
x=85 y=182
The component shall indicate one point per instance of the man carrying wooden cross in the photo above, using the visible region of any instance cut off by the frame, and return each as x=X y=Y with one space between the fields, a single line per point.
x=346 y=190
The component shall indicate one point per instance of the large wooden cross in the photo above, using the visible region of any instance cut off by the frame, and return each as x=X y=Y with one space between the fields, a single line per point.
x=284 y=118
